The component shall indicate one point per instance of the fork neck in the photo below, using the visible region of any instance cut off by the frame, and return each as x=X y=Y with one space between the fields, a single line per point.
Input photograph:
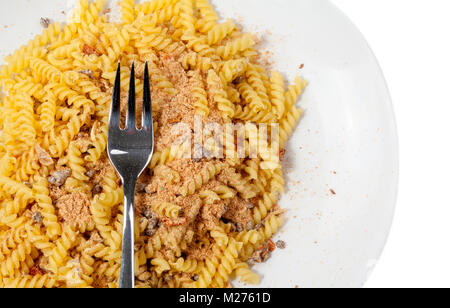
x=129 y=185
x=127 y=267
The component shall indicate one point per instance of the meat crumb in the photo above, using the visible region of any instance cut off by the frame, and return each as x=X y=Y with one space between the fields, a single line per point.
x=281 y=244
x=152 y=226
x=58 y=178
x=301 y=66
x=27 y=184
x=44 y=158
x=95 y=237
x=262 y=254
x=177 y=119
x=175 y=222
x=89 y=50
x=332 y=191
x=149 y=214
x=88 y=73
x=271 y=245
x=45 y=22
x=35 y=270
x=153 y=223
x=249 y=225
x=37 y=217
x=167 y=277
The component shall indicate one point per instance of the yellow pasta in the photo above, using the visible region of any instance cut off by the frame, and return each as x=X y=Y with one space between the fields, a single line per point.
x=31 y=282
x=238 y=45
x=277 y=94
x=192 y=60
x=127 y=11
x=219 y=95
x=220 y=31
x=166 y=209
x=245 y=274
x=50 y=220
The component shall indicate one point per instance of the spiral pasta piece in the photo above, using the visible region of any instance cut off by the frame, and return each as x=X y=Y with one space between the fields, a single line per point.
x=198 y=44
x=50 y=220
x=40 y=241
x=227 y=264
x=61 y=143
x=220 y=237
x=76 y=163
x=263 y=207
x=101 y=213
x=251 y=97
x=44 y=71
x=47 y=113
x=23 y=195
x=62 y=247
x=186 y=11
x=160 y=265
x=99 y=142
x=10 y=240
x=127 y=11
x=208 y=270
x=13 y=262
x=248 y=114
x=166 y=209
x=220 y=96
x=158 y=40
x=185 y=265
x=294 y=91
x=207 y=174
x=232 y=69
x=232 y=48
x=87 y=87
x=209 y=16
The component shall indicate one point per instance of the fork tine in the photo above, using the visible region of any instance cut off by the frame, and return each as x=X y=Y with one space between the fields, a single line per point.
x=147 y=117
x=131 y=114
x=114 y=117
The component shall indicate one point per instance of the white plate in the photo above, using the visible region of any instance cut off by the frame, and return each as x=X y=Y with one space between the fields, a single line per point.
x=346 y=142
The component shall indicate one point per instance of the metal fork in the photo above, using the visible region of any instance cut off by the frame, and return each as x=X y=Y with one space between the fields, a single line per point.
x=130 y=151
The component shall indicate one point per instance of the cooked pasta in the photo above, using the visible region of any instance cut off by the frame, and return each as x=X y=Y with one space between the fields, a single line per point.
x=200 y=216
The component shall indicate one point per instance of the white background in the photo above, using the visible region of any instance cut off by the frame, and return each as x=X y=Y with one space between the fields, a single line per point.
x=411 y=39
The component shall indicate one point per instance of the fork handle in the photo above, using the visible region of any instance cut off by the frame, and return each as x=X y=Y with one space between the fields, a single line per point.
x=127 y=267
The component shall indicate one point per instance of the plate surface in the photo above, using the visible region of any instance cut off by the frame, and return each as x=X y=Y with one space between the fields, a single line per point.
x=342 y=162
